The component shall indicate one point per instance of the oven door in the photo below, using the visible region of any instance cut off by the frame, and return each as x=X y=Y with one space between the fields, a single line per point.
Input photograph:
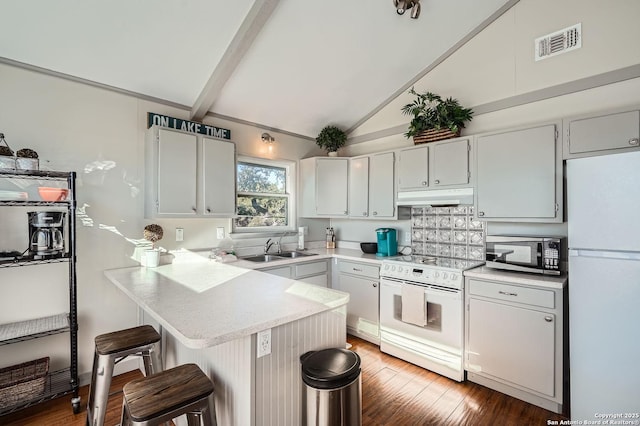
x=444 y=328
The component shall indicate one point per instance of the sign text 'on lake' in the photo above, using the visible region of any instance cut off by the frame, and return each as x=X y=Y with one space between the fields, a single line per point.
x=187 y=126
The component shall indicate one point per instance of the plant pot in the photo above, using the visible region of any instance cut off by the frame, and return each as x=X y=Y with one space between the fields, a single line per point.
x=333 y=153
x=152 y=258
x=433 y=135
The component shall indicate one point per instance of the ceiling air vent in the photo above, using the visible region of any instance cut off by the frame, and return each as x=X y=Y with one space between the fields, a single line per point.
x=559 y=42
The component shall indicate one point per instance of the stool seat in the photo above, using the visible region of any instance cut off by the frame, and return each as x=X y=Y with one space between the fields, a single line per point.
x=124 y=340
x=162 y=393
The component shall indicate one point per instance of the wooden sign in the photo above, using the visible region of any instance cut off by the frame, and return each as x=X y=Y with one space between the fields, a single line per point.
x=187 y=126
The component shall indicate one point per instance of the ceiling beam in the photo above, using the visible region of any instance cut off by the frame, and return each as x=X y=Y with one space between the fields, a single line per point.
x=242 y=41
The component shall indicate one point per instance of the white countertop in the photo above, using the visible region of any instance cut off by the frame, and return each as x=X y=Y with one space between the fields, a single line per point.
x=543 y=281
x=205 y=303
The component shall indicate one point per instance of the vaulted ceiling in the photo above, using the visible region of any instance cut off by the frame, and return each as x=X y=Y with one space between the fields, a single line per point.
x=293 y=65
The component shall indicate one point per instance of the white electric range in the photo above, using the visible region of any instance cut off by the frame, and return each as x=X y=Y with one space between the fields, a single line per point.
x=432 y=339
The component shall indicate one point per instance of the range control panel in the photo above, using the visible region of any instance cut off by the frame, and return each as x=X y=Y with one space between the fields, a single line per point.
x=423 y=274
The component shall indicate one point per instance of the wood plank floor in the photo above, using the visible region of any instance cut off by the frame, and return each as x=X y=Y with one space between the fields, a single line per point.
x=394 y=392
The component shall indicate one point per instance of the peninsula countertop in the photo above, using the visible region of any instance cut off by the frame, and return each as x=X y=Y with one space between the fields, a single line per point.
x=205 y=303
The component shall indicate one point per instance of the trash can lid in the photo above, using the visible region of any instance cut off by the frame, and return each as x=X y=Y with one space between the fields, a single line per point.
x=330 y=368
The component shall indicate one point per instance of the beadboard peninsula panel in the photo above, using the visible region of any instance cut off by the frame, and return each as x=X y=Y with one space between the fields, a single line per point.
x=278 y=381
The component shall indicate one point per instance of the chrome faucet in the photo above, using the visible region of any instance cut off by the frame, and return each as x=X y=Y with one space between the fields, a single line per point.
x=268 y=245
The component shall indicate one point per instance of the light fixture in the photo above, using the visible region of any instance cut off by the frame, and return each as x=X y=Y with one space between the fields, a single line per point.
x=267 y=138
x=404 y=5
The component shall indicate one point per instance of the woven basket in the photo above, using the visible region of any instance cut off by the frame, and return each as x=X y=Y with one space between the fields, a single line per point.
x=23 y=382
x=433 y=135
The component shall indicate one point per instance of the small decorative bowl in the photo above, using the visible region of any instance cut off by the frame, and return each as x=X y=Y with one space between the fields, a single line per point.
x=53 y=194
x=369 y=247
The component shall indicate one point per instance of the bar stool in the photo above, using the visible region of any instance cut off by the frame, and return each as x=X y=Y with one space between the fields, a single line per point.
x=111 y=348
x=156 y=399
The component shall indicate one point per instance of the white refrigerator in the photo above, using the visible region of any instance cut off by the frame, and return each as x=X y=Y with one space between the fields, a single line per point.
x=603 y=208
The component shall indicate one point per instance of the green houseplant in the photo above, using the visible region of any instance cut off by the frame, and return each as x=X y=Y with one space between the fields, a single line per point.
x=435 y=118
x=331 y=138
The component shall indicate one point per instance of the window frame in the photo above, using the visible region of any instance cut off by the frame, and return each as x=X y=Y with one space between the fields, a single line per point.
x=289 y=193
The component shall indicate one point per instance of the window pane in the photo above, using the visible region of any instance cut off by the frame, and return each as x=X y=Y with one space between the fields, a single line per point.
x=263 y=179
x=261 y=211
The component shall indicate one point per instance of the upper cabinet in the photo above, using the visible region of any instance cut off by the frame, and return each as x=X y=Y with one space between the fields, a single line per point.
x=188 y=175
x=371 y=191
x=323 y=187
x=519 y=175
x=601 y=134
x=434 y=166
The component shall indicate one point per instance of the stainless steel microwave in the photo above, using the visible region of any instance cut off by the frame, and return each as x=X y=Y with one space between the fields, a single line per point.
x=539 y=255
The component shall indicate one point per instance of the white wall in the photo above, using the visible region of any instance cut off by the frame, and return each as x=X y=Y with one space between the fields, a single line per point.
x=498 y=63
x=78 y=127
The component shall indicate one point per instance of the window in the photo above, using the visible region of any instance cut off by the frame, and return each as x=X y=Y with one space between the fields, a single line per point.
x=264 y=199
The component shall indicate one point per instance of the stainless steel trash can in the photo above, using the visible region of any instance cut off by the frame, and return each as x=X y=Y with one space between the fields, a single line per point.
x=332 y=388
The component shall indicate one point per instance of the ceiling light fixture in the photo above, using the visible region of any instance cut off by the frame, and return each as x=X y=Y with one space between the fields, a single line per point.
x=404 y=5
x=267 y=138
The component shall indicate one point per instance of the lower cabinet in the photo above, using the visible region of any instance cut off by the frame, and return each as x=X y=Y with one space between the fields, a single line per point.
x=361 y=281
x=515 y=340
x=315 y=272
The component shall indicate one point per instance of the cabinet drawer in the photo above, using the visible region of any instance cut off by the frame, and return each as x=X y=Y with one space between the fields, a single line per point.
x=284 y=271
x=361 y=269
x=512 y=293
x=310 y=268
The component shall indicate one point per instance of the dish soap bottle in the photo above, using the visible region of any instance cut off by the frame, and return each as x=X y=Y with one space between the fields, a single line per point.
x=331 y=239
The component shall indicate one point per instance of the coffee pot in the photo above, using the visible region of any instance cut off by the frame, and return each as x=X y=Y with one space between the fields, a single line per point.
x=46 y=233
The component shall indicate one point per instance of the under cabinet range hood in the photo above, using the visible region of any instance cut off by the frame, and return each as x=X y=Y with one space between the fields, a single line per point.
x=435 y=197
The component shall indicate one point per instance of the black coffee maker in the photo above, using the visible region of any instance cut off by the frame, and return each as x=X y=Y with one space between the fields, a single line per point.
x=46 y=234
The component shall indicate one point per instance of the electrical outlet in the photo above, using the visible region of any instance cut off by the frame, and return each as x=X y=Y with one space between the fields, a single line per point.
x=264 y=343
x=179 y=234
x=220 y=232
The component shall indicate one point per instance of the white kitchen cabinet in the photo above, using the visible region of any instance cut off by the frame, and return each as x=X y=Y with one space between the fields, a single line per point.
x=371 y=190
x=188 y=175
x=361 y=281
x=435 y=166
x=514 y=340
x=601 y=134
x=519 y=175
x=324 y=187
x=312 y=272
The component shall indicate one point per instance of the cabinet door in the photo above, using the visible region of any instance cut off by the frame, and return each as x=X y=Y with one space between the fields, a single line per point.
x=283 y=271
x=359 y=187
x=450 y=163
x=381 y=194
x=413 y=168
x=176 y=173
x=614 y=131
x=362 y=309
x=219 y=177
x=512 y=344
x=332 y=186
x=516 y=174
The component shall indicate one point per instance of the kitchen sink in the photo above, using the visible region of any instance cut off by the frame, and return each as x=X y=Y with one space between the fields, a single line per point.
x=280 y=256
x=294 y=254
x=262 y=258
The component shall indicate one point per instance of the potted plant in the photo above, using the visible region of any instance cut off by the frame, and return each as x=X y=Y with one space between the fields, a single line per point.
x=435 y=118
x=331 y=138
x=153 y=233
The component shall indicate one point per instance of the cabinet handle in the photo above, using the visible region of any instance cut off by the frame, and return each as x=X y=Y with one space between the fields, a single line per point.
x=208 y=210
x=507 y=293
x=375 y=284
x=364 y=213
x=193 y=209
x=634 y=141
x=437 y=181
x=480 y=213
x=375 y=213
x=548 y=319
x=345 y=212
x=424 y=183
x=357 y=270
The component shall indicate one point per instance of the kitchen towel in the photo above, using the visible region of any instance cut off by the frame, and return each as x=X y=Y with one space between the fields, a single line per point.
x=414 y=308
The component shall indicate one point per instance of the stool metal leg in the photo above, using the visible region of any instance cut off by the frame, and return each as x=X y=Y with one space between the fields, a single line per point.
x=100 y=392
x=152 y=359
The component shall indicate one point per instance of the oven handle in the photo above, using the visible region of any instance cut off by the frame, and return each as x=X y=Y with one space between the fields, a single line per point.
x=397 y=284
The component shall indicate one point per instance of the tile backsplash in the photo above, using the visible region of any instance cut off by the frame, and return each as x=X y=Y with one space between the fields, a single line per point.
x=448 y=232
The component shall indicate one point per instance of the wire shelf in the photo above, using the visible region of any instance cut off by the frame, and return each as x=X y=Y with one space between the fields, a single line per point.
x=58 y=384
x=33 y=329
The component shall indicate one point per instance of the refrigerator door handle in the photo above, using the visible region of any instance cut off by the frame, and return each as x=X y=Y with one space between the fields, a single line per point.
x=624 y=255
